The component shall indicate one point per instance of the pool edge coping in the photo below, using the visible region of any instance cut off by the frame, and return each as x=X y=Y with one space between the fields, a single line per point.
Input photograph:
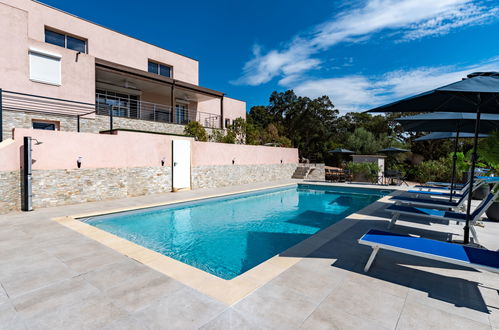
x=225 y=291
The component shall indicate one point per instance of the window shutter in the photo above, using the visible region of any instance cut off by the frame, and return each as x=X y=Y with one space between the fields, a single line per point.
x=44 y=68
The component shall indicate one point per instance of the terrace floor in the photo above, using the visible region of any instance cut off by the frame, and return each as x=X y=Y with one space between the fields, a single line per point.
x=52 y=277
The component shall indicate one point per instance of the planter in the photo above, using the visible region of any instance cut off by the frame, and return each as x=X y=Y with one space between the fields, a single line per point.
x=481 y=192
x=493 y=212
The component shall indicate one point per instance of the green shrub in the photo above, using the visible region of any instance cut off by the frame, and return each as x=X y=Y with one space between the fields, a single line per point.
x=369 y=170
x=433 y=170
x=195 y=129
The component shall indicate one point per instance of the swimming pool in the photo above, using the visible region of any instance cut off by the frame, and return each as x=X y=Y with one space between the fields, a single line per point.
x=226 y=236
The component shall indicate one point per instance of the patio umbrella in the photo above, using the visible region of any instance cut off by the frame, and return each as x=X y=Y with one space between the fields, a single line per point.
x=478 y=93
x=449 y=135
x=449 y=122
x=392 y=150
x=341 y=151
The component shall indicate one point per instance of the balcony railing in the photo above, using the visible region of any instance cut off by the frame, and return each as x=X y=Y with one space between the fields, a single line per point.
x=130 y=108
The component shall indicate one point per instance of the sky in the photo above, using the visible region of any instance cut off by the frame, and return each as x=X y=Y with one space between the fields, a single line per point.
x=360 y=53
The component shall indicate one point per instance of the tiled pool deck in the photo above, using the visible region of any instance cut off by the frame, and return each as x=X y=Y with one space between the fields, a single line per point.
x=53 y=277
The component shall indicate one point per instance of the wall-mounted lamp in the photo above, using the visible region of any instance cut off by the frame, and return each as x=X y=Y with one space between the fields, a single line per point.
x=163 y=161
x=77 y=54
x=281 y=161
x=233 y=161
x=78 y=161
x=37 y=143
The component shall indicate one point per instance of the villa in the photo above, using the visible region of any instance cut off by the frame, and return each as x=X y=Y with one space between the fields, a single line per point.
x=58 y=55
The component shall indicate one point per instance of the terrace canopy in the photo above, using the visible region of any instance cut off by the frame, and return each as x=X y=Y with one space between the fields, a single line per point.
x=449 y=122
x=478 y=93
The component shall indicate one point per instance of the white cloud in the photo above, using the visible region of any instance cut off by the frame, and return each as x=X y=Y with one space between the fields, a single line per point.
x=356 y=93
x=412 y=19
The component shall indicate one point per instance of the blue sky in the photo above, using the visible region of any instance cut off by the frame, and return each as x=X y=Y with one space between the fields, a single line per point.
x=360 y=53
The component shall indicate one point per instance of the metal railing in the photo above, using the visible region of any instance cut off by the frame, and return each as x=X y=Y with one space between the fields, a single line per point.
x=134 y=109
x=105 y=105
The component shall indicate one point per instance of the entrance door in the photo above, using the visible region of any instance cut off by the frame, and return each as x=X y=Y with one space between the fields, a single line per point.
x=181 y=170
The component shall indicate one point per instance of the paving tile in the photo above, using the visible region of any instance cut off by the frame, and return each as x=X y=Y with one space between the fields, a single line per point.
x=19 y=263
x=127 y=323
x=184 y=309
x=136 y=293
x=365 y=301
x=453 y=295
x=52 y=297
x=273 y=306
x=86 y=263
x=491 y=297
x=9 y=318
x=421 y=316
x=93 y=312
x=308 y=281
x=230 y=319
x=111 y=275
x=3 y=295
x=67 y=249
x=325 y=318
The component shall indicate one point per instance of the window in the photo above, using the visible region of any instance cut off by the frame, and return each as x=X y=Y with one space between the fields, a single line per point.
x=227 y=122
x=181 y=113
x=122 y=105
x=66 y=41
x=46 y=125
x=161 y=69
x=44 y=67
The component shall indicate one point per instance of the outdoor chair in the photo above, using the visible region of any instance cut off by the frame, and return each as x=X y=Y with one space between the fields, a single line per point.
x=433 y=214
x=431 y=249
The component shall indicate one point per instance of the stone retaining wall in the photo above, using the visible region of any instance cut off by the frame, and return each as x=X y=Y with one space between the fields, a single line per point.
x=19 y=119
x=10 y=191
x=231 y=175
x=63 y=187
x=72 y=186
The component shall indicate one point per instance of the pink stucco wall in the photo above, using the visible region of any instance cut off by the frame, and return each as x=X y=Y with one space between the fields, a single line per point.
x=60 y=150
x=208 y=153
x=23 y=24
x=234 y=109
x=104 y=43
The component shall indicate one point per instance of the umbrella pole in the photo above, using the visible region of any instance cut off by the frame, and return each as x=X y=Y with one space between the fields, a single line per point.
x=474 y=158
x=454 y=160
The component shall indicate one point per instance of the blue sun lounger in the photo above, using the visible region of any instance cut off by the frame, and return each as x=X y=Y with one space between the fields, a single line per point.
x=433 y=203
x=431 y=249
x=398 y=210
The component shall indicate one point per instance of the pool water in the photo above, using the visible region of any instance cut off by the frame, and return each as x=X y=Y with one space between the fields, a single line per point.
x=227 y=236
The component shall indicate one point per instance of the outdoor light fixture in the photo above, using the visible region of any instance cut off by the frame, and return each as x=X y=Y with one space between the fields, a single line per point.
x=37 y=143
x=78 y=162
x=281 y=161
x=163 y=161
x=233 y=160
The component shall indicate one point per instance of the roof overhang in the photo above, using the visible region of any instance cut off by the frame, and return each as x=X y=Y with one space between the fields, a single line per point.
x=136 y=73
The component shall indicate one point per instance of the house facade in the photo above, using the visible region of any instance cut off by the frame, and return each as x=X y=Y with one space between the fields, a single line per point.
x=65 y=73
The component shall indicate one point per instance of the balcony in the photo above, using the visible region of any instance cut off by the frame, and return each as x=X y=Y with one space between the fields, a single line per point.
x=131 y=107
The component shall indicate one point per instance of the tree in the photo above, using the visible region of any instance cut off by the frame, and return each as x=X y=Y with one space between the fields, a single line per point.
x=363 y=142
x=195 y=129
